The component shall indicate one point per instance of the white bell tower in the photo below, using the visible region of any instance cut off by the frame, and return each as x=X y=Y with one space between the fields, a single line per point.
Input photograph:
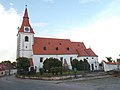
x=25 y=38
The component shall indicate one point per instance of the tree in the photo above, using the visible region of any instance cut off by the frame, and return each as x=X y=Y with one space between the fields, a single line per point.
x=14 y=64
x=109 y=59
x=23 y=63
x=74 y=64
x=81 y=65
x=51 y=63
x=86 y=65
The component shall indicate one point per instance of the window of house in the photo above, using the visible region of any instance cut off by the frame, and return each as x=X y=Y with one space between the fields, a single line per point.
x=41 y=59
x=26 y=47
x=92 y=57
x=61 y=59
x=26 y=38
x=57 y=48
x=49 y=43
x=44 y=48
x=1 y=72
x=70 y=58
x=86 y=57
x=68 y=48
x=60 y=43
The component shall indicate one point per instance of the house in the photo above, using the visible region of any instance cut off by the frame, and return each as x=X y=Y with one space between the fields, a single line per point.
x=37 y=49
x=2 y=70
x=108 y=66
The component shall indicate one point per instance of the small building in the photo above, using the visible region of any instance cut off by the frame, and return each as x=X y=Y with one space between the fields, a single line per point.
x=2 y=70
x=108 y=66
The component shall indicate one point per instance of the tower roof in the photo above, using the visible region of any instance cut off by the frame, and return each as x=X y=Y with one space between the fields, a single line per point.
x=26 y=13
x=25 y=23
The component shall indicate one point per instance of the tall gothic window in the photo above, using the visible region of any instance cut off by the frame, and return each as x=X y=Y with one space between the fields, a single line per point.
x=26 y=38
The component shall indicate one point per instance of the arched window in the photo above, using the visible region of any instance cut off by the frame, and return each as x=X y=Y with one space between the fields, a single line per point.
x=26 y=38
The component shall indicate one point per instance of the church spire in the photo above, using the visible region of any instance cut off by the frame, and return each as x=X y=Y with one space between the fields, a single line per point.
x=26 y=13
x=26 y=27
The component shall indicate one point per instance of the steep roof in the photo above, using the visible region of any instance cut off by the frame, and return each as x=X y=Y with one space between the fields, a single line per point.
x=80 y=47
x=90 y=52
x=26 y=22
x=53 y=46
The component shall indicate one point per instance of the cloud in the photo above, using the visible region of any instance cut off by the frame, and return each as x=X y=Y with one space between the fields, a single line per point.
x=11 y=4
x=9 y=21
x=87 y=1
x=102 y=36
x=51 y=1
x=40 y=24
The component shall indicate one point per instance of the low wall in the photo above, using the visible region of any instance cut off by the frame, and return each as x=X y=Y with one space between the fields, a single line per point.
x=48 y=78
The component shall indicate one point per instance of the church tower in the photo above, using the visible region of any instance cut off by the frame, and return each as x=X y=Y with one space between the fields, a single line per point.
x=25 y=37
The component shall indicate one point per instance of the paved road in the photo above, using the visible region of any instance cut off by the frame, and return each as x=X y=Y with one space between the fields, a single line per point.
x=13 y=83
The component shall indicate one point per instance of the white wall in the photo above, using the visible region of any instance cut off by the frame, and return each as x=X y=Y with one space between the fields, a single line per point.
x=108 y=67
x=91 y=60
x=24 y=49
x=36 y=59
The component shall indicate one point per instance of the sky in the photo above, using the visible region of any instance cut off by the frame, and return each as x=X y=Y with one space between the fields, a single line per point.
x=94 y=22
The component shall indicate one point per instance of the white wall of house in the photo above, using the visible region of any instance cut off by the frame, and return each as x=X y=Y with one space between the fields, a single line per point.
x=93 y=61
x=109 y=67
x=36 y=59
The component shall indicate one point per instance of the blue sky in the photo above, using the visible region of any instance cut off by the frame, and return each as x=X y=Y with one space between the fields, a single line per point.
x=94 y=22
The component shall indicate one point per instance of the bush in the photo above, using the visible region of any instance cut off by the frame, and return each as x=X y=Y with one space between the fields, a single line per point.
x=41 y=70
x=80 y=65
x=51 y=63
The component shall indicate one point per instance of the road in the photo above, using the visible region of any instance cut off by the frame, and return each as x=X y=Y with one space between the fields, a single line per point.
x=13 y=83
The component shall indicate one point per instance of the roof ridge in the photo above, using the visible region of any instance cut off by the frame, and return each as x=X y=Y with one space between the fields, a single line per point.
x=51 y=38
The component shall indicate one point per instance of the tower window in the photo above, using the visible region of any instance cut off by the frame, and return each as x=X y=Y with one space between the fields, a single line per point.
x=26 y=38
x=41 y=59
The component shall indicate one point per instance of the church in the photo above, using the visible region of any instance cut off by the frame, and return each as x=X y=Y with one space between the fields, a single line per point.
x=37 y=49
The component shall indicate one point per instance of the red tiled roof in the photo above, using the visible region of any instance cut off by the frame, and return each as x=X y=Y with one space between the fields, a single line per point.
x=82 y=51
x=2 y=67
x=52 y=46
x=25 y=22
x=80 y=47
x=112 y=63
x=90 y=52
